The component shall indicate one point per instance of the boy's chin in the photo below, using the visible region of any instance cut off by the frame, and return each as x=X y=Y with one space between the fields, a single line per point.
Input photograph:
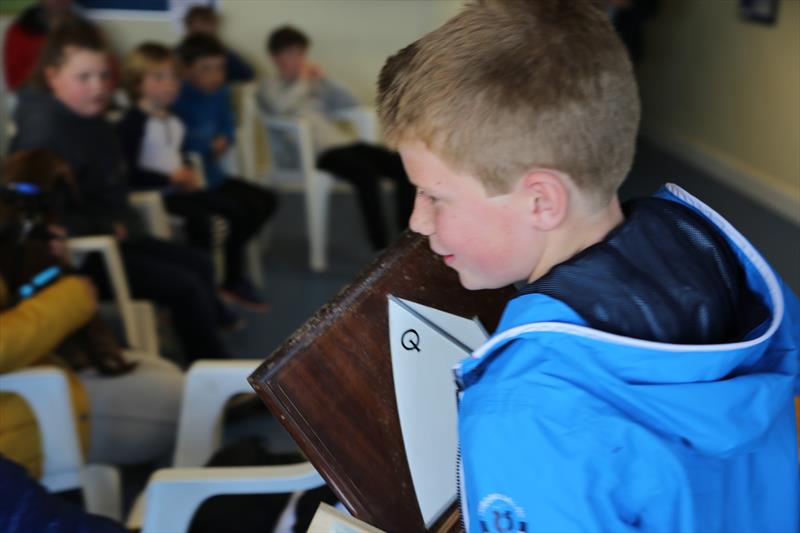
x=474 y=284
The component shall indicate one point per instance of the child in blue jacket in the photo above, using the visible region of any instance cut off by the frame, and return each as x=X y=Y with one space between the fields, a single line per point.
x=643 y=376
x=204 y=107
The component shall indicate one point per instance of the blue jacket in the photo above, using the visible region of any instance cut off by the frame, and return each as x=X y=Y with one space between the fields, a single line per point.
x=206 y=116
x=567 y=427
x=25 y=507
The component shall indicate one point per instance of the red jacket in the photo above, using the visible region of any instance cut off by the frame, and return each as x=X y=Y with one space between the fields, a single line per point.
x=20 y=54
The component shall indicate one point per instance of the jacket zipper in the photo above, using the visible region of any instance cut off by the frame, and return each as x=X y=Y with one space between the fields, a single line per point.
x=459 y=392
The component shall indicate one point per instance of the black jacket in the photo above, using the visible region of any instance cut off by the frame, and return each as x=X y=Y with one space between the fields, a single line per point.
x=91 y=148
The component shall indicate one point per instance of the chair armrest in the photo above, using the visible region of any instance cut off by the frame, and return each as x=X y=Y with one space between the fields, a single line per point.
x=174 y=494
x=146 y=327
x=288 y=124
x=196 y=162
x=151 y=205
x=363 y=119
x=209 y=385
x=107 y=247
x=46 y=390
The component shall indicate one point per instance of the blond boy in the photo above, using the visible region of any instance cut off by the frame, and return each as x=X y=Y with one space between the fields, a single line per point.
x=643 y=376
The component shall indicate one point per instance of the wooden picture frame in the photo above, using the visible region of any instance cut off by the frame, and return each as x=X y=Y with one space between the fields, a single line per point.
x=331 y=384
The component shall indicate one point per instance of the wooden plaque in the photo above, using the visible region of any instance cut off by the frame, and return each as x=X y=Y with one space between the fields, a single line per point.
x=330 y=384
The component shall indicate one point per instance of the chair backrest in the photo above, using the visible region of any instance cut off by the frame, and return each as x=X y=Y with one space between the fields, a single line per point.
x=291 y=144
x=106 y=246
x=46 y=391
x=291 y=148
x=209 y=385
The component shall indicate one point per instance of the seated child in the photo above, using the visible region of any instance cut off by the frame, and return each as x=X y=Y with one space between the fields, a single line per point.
x=301 y=89
x=203 y=105
x=63 y=113
x=152 y=138
x=643 y=376
x=205 y=20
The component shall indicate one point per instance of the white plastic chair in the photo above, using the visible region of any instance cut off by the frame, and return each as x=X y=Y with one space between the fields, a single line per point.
x=138 y=316
x=46 y=390
x=173 y=495
x=300 y=167
x=150 y=205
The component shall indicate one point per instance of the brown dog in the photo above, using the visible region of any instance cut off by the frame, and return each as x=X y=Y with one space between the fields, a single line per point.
x=32 y=182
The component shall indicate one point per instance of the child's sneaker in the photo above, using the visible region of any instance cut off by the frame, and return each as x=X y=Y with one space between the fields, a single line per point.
x=243 y=293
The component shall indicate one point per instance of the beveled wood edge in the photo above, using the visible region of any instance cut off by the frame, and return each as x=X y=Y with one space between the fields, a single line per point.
x=345 y=298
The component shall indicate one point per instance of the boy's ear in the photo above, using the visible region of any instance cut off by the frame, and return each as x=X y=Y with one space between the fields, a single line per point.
x=547 y=196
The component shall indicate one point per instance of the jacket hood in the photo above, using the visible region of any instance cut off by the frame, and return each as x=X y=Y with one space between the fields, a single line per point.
x=718 y=398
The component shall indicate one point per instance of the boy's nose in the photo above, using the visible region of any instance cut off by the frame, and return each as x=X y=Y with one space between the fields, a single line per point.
x=421 y=220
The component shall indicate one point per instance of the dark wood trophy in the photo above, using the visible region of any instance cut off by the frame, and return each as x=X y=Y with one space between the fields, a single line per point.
x=331 y=383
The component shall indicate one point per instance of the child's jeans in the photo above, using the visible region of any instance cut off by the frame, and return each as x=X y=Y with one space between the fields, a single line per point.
x=246 y=207
x=363 y=165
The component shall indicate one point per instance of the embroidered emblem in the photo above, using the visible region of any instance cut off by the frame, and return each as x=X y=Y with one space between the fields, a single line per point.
x=499 y=514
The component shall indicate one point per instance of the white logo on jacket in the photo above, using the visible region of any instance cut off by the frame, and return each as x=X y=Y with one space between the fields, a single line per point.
x=499 y=514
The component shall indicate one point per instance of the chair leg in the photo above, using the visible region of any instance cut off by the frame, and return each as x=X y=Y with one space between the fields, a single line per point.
x=317 y=196
x=219 y=234
x=102 y=490
x=254 y=267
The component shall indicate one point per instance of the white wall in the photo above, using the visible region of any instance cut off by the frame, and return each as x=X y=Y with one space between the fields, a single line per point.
x=725 y=94
x=351 y=39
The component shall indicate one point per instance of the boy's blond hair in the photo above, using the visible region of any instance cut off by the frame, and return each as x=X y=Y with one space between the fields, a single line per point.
x=141 y=60
x=510 y=85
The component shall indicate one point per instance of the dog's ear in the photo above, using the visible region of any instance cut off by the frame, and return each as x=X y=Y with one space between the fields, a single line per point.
x=58 y=171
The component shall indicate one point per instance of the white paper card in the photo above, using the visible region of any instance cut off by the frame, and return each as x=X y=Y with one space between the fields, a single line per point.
x=425 y=345
x=330 y=520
